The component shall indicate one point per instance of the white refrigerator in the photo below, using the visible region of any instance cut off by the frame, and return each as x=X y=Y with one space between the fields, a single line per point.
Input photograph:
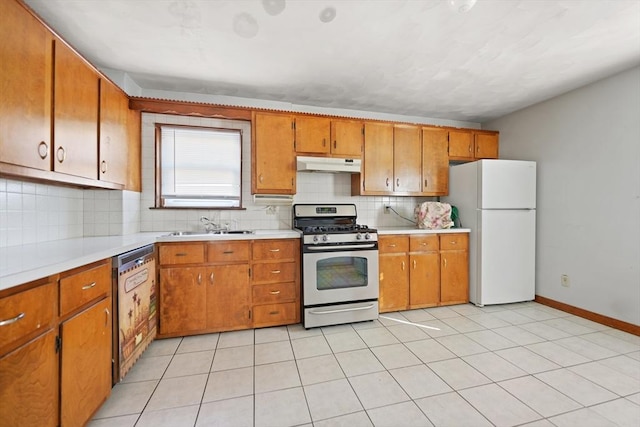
x=496 y=199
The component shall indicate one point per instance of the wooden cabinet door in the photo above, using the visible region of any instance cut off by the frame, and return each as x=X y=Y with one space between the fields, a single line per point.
x=346 y=138
x=228 y=297
x=435 y=162
x=461 y=145
x=25 y=79
x=114 y=109
x=486 y=145
x=394 y=282
x=134 y=151
x=406 y=159
x=183 y=299
x=29 y=383
x=313 y=134
x=424 y=279
x=75 y=137
x=273 y=154
x=378 y=157
x=85 y=377
x=454 y=277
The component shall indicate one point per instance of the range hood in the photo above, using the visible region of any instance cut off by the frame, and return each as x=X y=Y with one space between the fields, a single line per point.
x=328 y=164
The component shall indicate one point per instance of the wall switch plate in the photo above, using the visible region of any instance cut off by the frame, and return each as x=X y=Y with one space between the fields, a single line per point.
x=564 y=280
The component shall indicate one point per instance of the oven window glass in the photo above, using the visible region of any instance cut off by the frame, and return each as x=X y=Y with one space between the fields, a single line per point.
x=341 y=272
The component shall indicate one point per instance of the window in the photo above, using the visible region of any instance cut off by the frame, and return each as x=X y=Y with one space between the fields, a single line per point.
x=198 y=167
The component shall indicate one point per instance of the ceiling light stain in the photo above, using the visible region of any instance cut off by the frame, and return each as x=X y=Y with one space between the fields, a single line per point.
x=327 y=14
x=245 y=25
x=461 y=6
x=274 y=7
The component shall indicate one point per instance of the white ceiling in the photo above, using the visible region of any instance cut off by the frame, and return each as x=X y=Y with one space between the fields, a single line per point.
x=408 y=57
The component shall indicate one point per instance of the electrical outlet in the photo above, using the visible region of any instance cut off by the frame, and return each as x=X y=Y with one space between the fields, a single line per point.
x=386 y=209
x=564 y=280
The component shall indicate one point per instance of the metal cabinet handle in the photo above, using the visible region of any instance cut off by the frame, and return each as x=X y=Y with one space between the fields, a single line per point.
x=425 y=183
x=227 y=252
x=103 y=166
x=274 y=292
x=335 y=144
x=260 y=178
x=61 y=154
x=274 y=313
x=12 y=320
x=444 y=262
x=106 y=319
x=275 y=271
x=211 y=276
x=181 y=254
x=414 y=264
x=402 y=265
x=397 y=182
x=43 y=150
x=453 y=242
x=387 y=182
x=324 y=142
x=199 y=278
x=274 y=250
x=392 y=245
x=89 y=286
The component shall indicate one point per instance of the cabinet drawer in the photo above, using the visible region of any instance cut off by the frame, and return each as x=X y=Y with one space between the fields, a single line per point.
x=454 y=241
x=228 y=251
x=273 y=272
x=23 y=313
x=277 y=292
x=274 y=249
x=424 y=243
x=392 y=244
x=275 y=314
x=182 y=254
x=82 y=287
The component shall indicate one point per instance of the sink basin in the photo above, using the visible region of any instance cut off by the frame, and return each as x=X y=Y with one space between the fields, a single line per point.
x=207 y=233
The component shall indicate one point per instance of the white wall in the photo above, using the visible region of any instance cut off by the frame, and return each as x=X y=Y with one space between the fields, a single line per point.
x=587 y=145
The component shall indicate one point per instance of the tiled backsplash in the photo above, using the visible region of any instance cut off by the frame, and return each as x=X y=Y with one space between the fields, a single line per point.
x=31 y=213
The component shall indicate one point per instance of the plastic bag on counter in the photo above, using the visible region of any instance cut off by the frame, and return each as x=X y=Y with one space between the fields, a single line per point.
x=433 y=215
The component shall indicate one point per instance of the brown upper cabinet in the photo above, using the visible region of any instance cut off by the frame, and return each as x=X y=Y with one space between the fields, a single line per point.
x=75 y=100
x=435 y=162
x=329 y=137
x=55 y=106
x=272 y=154
x=377 y=168
x=407 y=162
x=469 y=145
x=25 y=78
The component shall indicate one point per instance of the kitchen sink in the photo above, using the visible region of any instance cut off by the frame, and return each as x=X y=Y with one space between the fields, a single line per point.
x=207 y=233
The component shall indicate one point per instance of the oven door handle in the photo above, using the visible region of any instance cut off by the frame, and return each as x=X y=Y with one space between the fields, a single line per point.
x=342 y=310
x=335 y=247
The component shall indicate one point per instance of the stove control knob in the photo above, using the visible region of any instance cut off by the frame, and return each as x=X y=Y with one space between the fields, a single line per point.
x=359 y=236
x=325 y=238
x=367 y=236
x=315 y=238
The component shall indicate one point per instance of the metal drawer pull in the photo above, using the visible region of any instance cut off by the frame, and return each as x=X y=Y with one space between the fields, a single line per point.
x=103 y=166
x=61 y=158
x=274 y=250
x=43 y=150
x=89 y=286
x=12 y=320
x=274 y=292
x=227 y=252
x=199 y=278
x=387 y=182
x=211 y=278
x=106 y=320
x=181 y=254
x=275 y=271
x=402 y=265
x=342 y=310
x=397 y=182
x=393 y=245
x=444 y=261
x=414 y=264
x=453 y=242
x=274 y=312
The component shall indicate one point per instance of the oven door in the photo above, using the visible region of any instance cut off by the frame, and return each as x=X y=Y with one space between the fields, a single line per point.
x=340 y=276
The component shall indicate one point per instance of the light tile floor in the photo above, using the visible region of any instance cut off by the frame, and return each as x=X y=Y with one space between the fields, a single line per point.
x=517 y=364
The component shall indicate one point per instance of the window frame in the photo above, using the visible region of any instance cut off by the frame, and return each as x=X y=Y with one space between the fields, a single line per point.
x=159 y=200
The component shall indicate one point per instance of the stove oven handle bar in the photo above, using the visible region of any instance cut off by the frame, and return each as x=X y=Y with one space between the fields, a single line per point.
x=342 y=310
x=331 y=247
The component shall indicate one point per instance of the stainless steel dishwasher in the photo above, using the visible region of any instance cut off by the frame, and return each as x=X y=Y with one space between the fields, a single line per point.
x=134 y=306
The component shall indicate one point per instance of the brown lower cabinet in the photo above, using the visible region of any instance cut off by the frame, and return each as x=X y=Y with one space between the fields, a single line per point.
x=56 y=348
x=423 y=270
x=228 y=285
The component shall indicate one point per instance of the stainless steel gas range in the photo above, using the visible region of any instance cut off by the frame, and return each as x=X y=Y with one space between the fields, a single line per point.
x=339 y=265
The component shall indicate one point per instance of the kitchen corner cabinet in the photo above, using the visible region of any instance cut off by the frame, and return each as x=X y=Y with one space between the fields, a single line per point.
x=273 y=160
x=28 y=358
x=424 y=270
x=469 y=145
x=76 y=98
x=25 y=79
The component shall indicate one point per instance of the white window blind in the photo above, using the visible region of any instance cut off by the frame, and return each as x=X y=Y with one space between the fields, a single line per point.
x=200 y=167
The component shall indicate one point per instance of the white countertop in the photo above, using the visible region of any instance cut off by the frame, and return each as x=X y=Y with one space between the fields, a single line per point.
x=413 y=230
x=25 y=263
